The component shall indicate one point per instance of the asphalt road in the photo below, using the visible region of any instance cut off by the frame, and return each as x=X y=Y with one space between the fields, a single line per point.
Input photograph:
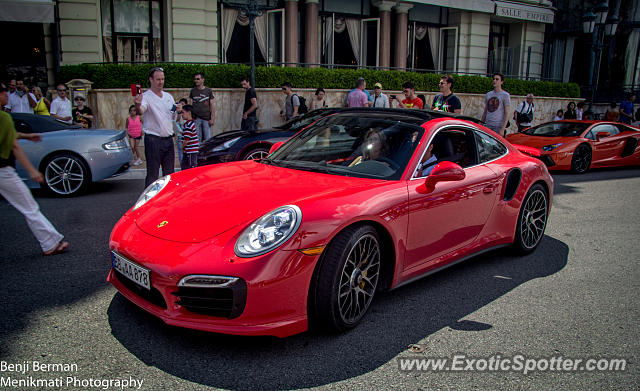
x=576 y=296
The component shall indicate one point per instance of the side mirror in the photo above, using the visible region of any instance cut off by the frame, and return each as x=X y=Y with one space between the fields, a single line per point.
x=600 y=135
x=444 y=172
x=275 y=146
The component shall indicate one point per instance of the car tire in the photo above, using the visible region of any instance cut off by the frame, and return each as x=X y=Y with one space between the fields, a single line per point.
x=345 y=279
x=256 y=153
x=532 y=220
x=65 y=175
x=581 y=160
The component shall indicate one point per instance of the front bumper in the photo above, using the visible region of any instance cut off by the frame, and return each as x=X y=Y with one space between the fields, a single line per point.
x=272 y=298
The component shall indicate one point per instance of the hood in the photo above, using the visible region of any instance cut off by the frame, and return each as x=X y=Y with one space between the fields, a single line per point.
x=204 y=202
x=536 y=141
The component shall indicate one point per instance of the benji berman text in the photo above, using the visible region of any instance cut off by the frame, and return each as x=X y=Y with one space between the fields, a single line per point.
x=36 y=366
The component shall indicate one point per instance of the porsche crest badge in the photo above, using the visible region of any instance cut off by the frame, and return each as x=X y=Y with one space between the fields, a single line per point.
x=162 y=224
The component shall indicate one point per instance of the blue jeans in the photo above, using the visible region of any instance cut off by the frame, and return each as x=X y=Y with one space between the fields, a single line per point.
x=189 y=160
x=158 y=151
x=204 y=130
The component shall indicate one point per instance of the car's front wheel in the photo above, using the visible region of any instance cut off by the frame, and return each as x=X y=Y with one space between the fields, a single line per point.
x=65 y=175
x=581 y=160
x=532 y=219
x=345 y=280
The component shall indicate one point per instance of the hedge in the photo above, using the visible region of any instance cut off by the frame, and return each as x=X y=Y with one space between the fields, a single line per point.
x=228 y=76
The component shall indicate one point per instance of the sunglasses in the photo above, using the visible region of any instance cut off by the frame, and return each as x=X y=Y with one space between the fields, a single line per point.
x=443 y=83
x=61 y=90
x=156 y=69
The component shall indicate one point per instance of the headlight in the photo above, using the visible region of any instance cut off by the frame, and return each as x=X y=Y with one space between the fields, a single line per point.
x=268 y=232
x=226 y=145
x=151 y=191
x=117 y=144
x=551 y=147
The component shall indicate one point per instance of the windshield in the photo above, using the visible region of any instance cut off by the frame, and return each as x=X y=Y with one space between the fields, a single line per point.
x=348 y=144
x=558 y=129
x=300 y=122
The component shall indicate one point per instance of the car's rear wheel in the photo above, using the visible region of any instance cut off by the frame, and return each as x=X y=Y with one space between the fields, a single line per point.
x=346 y=279
x=532 y=219
x=65 y=175
x=581 y=160
x=254 y=154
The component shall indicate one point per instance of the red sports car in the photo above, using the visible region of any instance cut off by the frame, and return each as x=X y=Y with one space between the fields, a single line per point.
x=580 y=145
x=357 y=202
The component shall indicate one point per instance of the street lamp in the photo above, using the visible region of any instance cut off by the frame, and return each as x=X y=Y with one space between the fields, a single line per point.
x=593 y=23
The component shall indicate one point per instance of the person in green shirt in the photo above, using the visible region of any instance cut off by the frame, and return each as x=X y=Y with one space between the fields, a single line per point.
x=13 y=188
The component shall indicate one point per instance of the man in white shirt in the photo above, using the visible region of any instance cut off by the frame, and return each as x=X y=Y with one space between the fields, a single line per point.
x=21 y=101
x=379 y=98
x=523 y=115
x=61 y=106
x=159 y=111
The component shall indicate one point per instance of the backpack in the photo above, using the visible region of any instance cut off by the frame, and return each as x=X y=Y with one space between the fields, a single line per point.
x=302 y=109
x=424 y=100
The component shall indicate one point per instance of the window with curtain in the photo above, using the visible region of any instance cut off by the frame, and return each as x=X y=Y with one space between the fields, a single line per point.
x=423 y=46
x=131 y=30
x=340 y=40
x=237 y=31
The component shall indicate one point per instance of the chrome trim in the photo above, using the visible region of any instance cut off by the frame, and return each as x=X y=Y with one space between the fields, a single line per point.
x=185 y=283
x=445 y=127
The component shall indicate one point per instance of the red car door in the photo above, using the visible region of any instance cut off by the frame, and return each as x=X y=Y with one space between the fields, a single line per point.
x=606 y=148
x=449 y=217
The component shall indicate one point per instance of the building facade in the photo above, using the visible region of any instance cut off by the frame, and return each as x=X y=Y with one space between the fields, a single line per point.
x=528 y=39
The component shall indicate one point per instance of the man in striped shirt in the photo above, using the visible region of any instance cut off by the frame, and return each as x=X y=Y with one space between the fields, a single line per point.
x=189 y=139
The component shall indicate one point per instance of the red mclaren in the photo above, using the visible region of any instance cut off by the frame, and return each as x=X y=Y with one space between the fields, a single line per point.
x=358 y=202
x=580 y=145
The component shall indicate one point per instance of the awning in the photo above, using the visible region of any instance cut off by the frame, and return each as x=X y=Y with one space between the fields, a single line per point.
x=486 y=6
x=33 y=11
x=524 y=12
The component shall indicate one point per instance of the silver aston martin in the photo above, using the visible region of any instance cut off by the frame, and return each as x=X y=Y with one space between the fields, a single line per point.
x=69 y=156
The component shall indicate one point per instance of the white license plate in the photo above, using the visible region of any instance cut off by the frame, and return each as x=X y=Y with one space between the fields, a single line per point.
x=135 y=273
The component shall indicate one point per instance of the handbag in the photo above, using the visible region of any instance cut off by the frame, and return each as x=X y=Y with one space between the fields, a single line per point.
x=525 y=118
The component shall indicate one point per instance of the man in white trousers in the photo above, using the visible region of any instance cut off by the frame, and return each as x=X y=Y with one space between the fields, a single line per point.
x=15 y=191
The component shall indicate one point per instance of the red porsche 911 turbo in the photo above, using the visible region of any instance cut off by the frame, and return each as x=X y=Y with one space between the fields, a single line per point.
x=359 y=201
x=579 y=145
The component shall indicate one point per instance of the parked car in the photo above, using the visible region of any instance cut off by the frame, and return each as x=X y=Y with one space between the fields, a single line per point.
x=247 y=145
x=69 y=156
x=579 y=145
x=357 y=202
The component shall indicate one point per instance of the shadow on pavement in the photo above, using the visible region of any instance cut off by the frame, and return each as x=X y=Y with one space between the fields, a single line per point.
x=563 y=180
x=396 y=319
x=30 y=282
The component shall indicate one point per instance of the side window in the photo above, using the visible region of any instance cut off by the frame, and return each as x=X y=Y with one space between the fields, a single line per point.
x=22 y=126
x=488 y=148
x=610 y=129
x=448 y=145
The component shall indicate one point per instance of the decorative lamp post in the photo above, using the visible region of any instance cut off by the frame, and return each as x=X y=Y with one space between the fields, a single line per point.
x=593 y=23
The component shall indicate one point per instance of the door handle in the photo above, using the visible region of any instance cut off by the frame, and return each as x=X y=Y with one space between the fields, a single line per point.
x=488 y=189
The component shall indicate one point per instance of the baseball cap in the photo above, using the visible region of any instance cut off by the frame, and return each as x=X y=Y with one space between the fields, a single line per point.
x=377 y=85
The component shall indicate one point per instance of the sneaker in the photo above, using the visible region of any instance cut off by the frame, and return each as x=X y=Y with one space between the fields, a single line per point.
x=137 y=162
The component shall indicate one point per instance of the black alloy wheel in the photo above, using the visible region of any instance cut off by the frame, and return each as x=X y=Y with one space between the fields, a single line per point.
x=581 y=160
x=345 y=279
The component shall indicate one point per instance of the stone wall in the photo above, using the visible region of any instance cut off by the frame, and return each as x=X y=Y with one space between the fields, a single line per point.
x=112 y=106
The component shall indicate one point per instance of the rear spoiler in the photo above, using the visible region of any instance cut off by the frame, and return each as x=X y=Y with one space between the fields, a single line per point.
x=534 y=152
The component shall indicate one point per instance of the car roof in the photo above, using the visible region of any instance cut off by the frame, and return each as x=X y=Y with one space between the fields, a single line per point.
x=43 y=121
x=415 y=114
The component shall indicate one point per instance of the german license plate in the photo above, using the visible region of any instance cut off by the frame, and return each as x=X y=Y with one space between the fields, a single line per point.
x=135 y=273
